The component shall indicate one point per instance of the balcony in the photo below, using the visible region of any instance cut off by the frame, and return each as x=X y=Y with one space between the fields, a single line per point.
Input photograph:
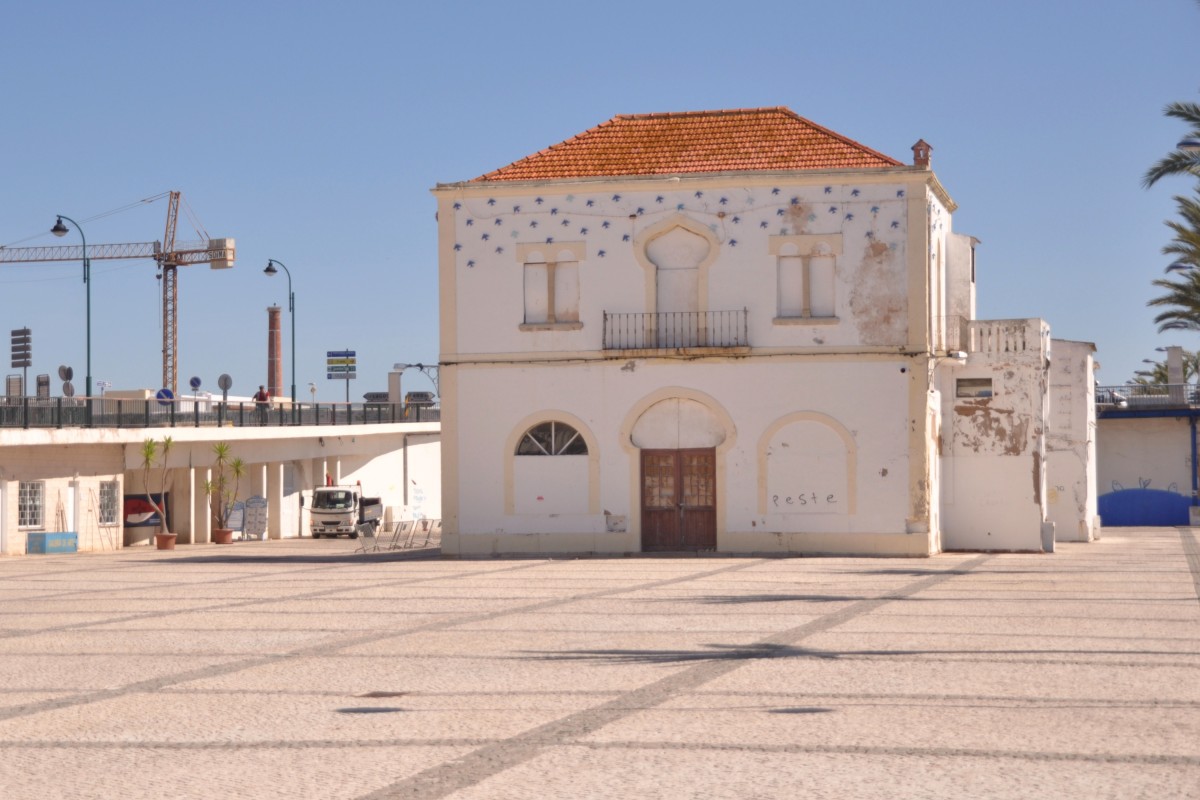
x=684 y=332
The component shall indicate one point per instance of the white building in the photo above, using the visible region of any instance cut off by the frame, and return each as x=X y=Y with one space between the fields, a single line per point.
x=740 y=331
x=82 y=480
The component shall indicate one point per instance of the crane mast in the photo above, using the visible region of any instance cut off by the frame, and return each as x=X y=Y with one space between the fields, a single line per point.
x=169 y=255
x=170 y=298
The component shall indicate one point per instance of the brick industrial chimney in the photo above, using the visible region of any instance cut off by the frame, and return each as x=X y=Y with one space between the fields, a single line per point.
x=274 y=352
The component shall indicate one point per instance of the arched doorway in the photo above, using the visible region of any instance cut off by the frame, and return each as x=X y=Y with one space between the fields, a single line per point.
x=678 y=441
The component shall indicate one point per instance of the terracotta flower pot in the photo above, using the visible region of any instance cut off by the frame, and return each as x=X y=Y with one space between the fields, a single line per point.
x=222 y=535
x=165 y=541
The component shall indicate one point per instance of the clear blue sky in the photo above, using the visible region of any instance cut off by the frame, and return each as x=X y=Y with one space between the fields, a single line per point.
x=312 y=133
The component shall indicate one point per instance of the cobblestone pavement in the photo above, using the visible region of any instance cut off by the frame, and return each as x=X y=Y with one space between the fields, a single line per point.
x=300 y=669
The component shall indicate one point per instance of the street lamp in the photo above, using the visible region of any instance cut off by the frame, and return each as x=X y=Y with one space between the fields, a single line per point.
x=61 y=230
x=270 y=270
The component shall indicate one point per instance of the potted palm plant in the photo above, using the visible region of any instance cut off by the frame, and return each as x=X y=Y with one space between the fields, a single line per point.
x=222 y=490
x=151 y=451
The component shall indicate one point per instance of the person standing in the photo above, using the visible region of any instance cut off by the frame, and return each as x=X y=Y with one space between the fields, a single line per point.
x=261 y=399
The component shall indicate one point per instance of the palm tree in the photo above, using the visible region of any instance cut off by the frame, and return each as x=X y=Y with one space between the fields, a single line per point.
x=1178 y=162
x=1186 y=243
x=1156 y=374
x=1182 y=301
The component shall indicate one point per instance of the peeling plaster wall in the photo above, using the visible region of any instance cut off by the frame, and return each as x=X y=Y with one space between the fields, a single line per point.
x=1071 y=443
x=994 y=463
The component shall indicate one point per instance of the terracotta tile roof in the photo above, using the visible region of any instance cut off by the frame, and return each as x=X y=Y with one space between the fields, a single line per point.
x=741 y=140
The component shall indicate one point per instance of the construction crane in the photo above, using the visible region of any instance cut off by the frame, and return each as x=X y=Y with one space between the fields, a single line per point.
x=169 y=254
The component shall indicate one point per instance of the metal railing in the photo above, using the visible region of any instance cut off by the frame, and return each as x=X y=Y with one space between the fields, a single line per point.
x=1137 y=395
x=100 y=412
x=675 y=330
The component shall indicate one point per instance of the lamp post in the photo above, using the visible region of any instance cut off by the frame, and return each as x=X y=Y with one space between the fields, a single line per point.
x=270 y=270
x=61 y=230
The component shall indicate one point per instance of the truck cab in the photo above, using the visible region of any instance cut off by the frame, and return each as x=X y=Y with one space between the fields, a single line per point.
x=339 y=510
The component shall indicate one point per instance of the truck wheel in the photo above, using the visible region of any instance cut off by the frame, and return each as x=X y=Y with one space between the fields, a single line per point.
x=353 y=534
x=316 y=536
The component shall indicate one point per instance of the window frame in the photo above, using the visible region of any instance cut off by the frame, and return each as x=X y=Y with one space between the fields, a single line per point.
x=575 y=439
x=23 y=505
x=115 y=519
x=550 y=256
x=806 y=248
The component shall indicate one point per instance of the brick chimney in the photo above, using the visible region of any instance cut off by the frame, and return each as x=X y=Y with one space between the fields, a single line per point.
x=274 y=352
x=921 y=151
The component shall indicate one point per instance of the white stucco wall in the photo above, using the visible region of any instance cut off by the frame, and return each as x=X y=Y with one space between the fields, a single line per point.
x=854 y=461
x=1146 y=453
x=993 y=446
x=866 y=222
x=1071 y=443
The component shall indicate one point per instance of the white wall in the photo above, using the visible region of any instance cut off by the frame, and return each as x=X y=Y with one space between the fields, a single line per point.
x=993 y=468
x=1147 y=453
x=763 y=408
x=1071 y=443
x=870 y=279
x=73 y=462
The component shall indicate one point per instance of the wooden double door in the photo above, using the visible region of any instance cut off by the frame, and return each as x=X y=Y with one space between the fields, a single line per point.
x=679 y=499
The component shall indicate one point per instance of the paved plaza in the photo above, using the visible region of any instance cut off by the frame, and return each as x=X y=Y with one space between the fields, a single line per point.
x=300 y=669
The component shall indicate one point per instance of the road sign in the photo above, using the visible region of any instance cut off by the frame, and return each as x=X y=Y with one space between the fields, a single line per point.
x=341 y=376
x=165 y=396
x=22 y=348
x=340 y=354
x=332 y=361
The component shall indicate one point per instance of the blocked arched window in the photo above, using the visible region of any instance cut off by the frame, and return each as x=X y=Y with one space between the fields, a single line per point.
x=552 y=439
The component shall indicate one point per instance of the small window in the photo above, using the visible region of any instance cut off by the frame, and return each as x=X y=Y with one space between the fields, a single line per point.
x=110 y=491
x=31 y=504
x=552 y=439
x=973 y=387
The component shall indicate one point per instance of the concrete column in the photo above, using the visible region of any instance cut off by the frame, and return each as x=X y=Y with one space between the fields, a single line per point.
x=202 y=533
x=188 y=520
x=274 y=495
x=5 y=505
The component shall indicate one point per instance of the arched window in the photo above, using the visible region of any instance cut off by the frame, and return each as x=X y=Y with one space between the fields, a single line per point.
x=552 y=439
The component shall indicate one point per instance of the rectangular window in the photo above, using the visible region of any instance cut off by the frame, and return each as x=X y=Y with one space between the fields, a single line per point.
x=110 y=493
x=31 y=504
x=552 y=293
x=973 y=387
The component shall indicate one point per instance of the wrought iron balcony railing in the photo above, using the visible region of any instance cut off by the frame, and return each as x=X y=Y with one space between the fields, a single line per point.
x=675 y=330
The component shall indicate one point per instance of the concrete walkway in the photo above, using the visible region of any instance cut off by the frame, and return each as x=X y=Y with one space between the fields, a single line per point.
x=298 y=669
